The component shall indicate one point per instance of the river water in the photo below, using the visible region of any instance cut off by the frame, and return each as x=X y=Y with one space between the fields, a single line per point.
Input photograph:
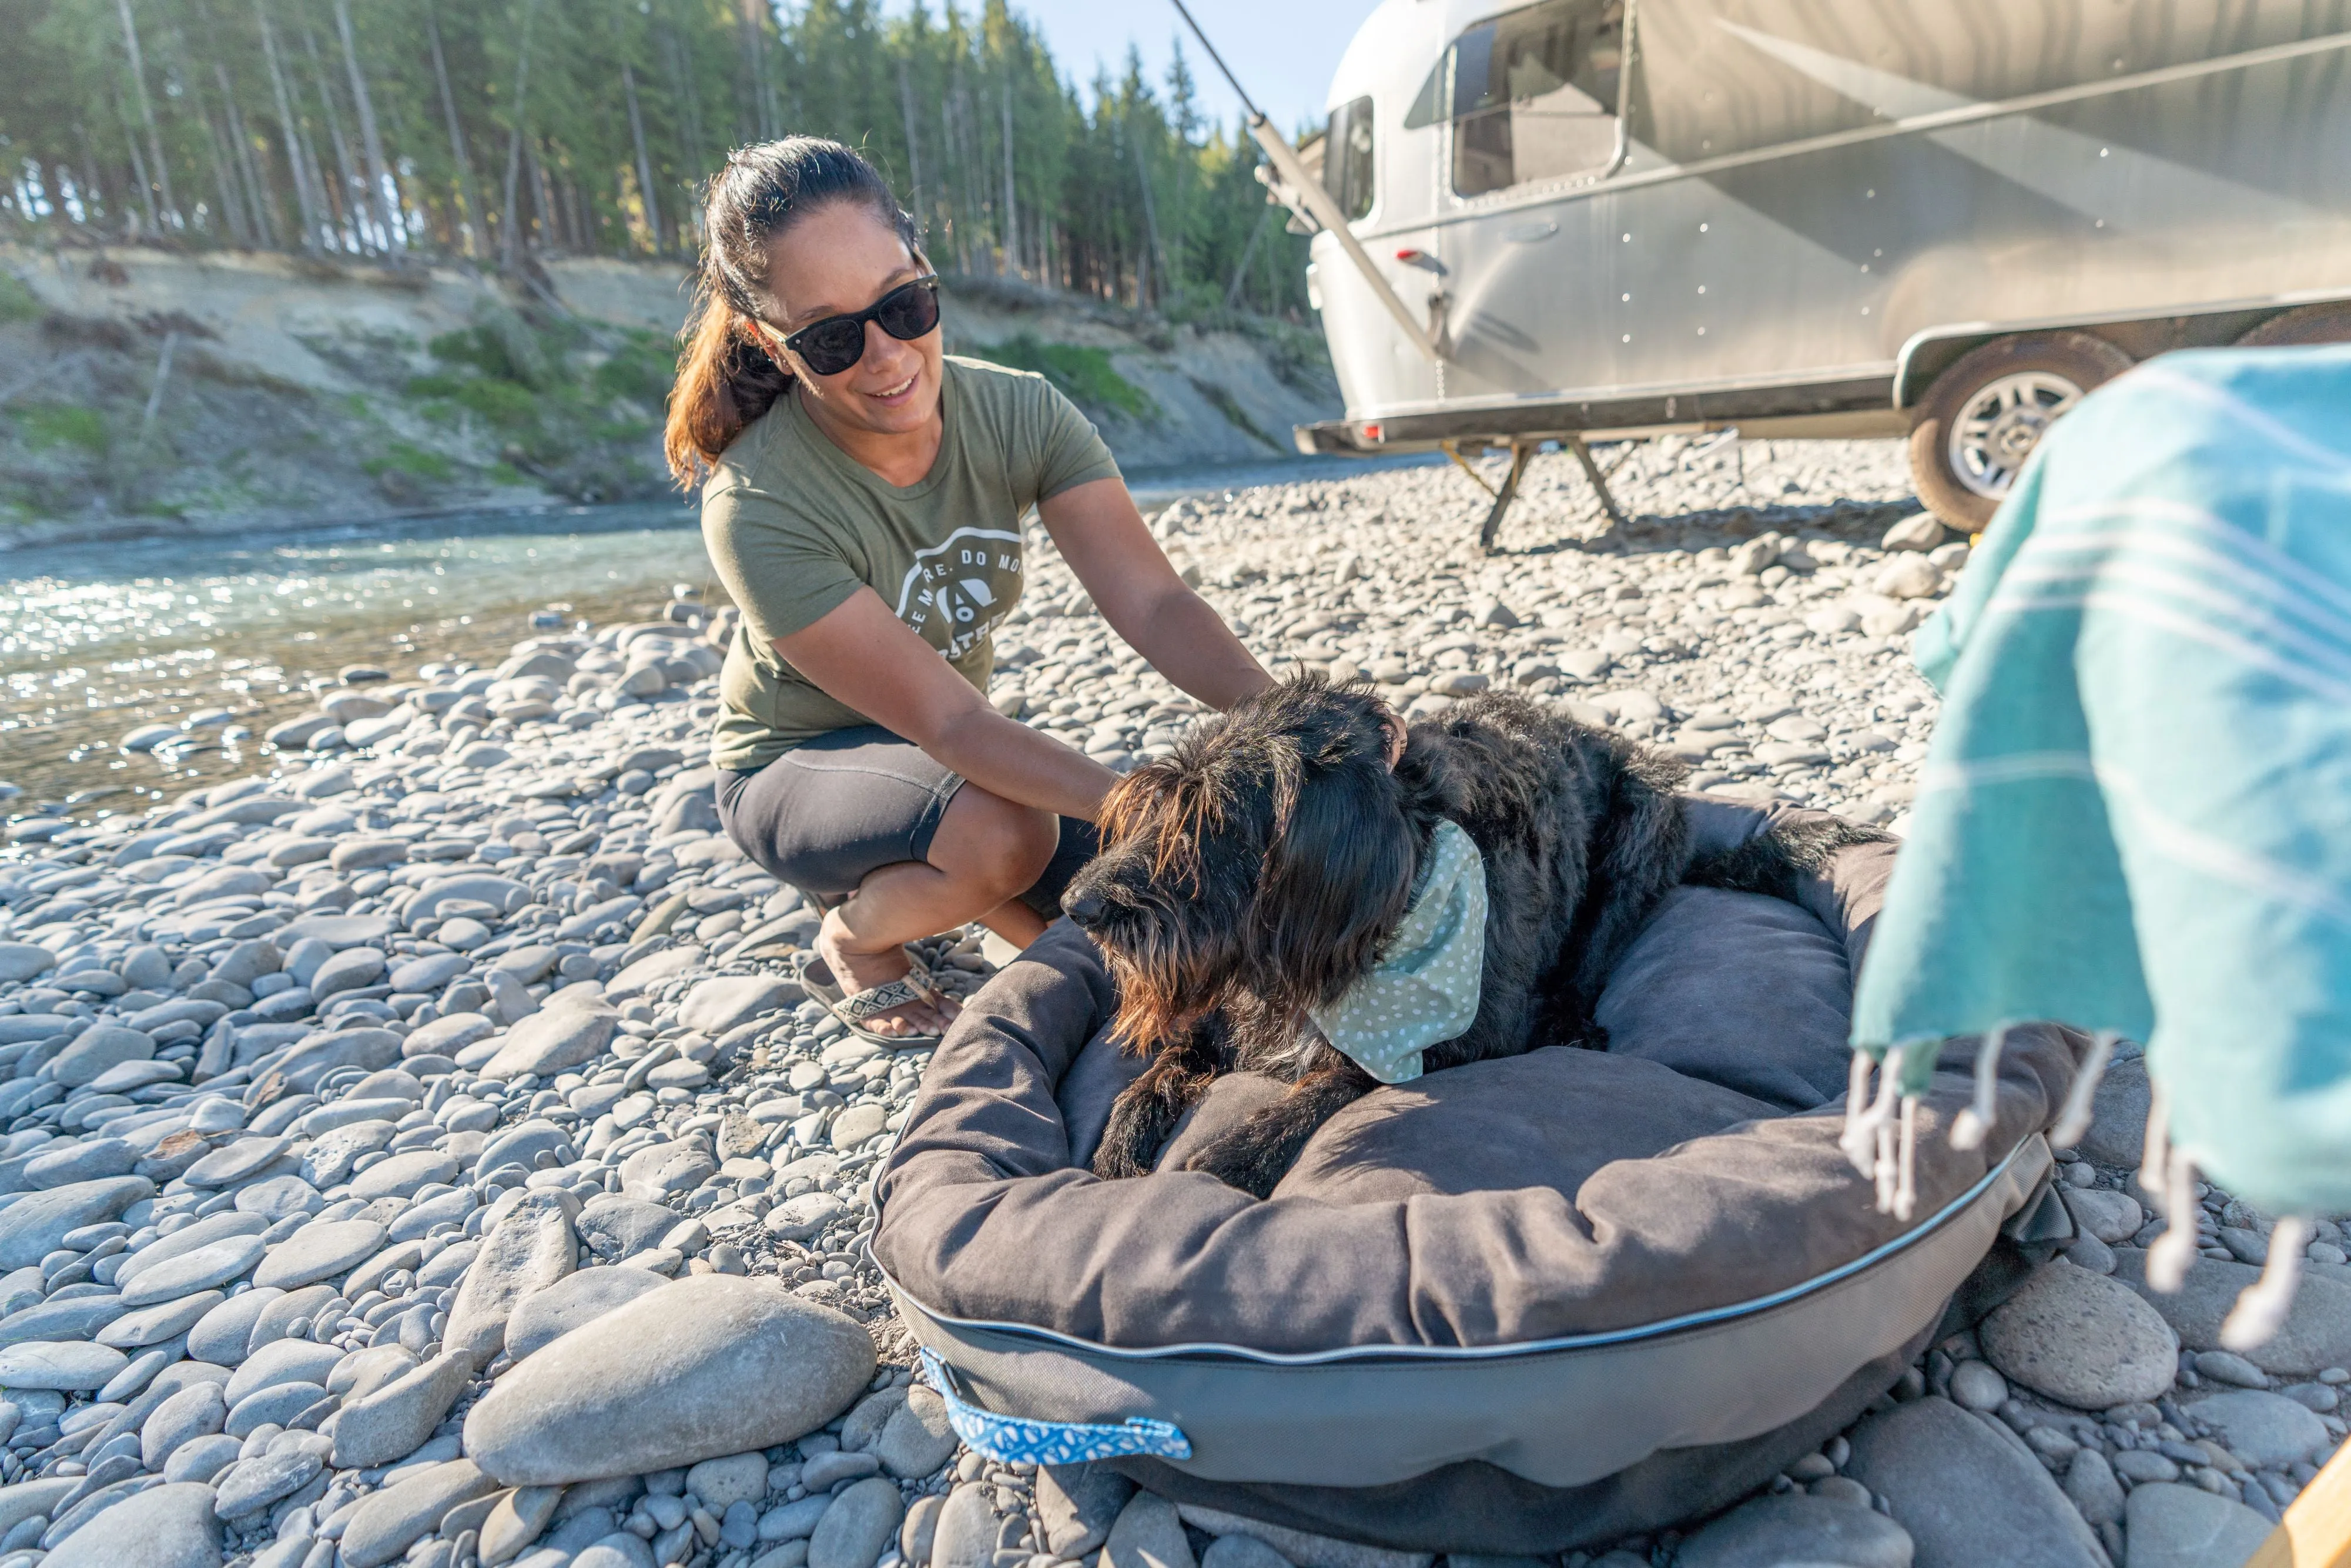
x=225 y=637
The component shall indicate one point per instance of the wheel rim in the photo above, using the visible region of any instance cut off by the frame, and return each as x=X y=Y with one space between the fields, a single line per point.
x=1999 y=427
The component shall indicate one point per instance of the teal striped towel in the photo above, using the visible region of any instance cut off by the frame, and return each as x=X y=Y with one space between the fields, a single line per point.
x=2135 y=816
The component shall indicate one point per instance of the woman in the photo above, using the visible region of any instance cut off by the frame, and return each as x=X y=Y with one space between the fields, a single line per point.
x=861 y=499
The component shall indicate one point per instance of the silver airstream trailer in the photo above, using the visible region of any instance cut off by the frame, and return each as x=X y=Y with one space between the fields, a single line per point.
x=1587 y=218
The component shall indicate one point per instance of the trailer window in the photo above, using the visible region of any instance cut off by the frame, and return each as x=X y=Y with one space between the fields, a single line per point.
x=1347 y=159
x=1531 y=94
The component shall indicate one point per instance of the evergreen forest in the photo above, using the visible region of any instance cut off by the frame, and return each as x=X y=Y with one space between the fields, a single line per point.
x=498 y=131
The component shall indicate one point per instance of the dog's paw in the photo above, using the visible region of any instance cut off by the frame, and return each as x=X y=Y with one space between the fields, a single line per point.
x=1245 y=1159
x=1132 y=1139
x=1116 y=1162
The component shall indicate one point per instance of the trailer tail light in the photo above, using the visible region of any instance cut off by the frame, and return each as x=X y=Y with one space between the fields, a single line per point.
x=1374 y=434
x=1408 y=255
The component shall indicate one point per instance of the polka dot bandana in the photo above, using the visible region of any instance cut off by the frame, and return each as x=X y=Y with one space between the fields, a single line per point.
x=1425 y=988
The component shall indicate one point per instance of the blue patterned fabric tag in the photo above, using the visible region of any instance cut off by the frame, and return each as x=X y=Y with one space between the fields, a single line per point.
x=1010 y=1440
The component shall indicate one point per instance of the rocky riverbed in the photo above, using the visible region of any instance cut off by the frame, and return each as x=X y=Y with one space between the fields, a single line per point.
x=418 y=1152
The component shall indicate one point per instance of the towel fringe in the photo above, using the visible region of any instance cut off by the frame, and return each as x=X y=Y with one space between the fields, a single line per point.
x=1864 y=1141
x=1974 y=1124
x=2073 y=1121
x=1906 y=1180
x=2156 y=1151
x=2262 y=1306
x=2173 y=1252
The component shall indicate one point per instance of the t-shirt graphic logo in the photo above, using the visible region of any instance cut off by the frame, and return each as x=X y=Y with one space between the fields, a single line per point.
x=958 y=590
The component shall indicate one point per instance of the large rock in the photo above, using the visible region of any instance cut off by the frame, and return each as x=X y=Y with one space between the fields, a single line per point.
x=716 y=1006
x=449 y=1035
x=366 y=1049
x=281 y=1362
x=395 y=1420
x=2082 y=1339
x=234 y=1164
x=523 y=1145
x=709 y=1366
x=96 y=1049
x=2112 y=1216
x=1147 y=1534
x=660 y=1171
x=548 y=1041
x=964 y=1534
x=222 y=1334
x=1077 y=1504
x=1797 y=1529
x=169 y=1526
x=340 y=930
x=502 y=893
x=193 y=1412
x=387 y=1524
x=215 y=1263
x=32 y=1228
x=1968 y=1496
x=21 y=961
x=65 y=1365
x=2268 y=1431
x=2117 y=1135
x=861 y=1522
x=2171 y=1526
x=319 y=1251
x=81 y=1317
x=2316 y=1334
x=161 y=1323
x=650 y=971
x=615 y=1225
x=532 y=1248
x=918 y=1438
x=578 y=1299
x=403 y=1173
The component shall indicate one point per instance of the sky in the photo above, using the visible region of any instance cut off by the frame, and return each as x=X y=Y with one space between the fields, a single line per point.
x=1284 y=50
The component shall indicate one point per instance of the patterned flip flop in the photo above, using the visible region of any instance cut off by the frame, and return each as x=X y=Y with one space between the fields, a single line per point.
x=852 y=1009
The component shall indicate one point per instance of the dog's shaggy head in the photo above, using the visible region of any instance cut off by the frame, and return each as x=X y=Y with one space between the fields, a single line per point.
x=1257 y=870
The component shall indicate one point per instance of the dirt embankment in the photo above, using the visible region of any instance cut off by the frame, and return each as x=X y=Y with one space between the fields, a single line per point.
x=143 y=392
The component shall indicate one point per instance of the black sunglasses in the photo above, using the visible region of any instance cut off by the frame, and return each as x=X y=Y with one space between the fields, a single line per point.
x=836 y=343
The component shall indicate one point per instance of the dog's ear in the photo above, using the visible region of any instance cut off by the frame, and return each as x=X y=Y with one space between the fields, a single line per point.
x=1338 y=876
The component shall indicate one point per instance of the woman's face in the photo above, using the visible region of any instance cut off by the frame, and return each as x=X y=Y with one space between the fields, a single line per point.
x=836 y=261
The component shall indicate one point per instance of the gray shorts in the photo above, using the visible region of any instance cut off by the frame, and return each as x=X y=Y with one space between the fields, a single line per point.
x=830 y=810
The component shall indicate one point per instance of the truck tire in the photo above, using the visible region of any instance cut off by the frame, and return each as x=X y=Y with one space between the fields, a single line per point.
x=2302 y=326
x=1983 y=417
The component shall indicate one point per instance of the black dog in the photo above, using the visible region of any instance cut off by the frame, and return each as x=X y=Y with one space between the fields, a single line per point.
x=1259 y=871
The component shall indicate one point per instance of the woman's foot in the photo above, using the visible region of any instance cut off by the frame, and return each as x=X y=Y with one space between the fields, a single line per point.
x=855 y=972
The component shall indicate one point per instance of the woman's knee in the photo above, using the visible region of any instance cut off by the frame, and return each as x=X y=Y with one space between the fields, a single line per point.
x=1001 y=846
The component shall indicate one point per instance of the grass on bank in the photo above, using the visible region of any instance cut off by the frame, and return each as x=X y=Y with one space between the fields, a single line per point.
x=1085 y=374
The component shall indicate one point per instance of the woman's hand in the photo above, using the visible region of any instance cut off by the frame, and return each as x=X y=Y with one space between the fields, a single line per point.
x=862 y=655
x=1104 y=540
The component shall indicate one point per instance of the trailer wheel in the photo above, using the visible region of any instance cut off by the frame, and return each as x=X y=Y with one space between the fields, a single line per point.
x=2305 y=325
x=1983 y=417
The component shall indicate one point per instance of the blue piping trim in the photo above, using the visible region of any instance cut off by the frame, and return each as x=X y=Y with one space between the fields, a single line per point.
x=1497 y=1352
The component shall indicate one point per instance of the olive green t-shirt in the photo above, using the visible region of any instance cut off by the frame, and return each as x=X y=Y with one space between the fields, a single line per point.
x=795 y=526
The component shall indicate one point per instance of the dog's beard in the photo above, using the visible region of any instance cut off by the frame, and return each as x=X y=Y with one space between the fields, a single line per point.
x=1157 y=1007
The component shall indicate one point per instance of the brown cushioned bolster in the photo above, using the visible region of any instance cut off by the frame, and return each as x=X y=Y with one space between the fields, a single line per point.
x=1554 y=1194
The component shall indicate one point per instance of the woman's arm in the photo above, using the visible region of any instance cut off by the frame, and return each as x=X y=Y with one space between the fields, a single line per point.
x=1103 y=538
x=862 y=655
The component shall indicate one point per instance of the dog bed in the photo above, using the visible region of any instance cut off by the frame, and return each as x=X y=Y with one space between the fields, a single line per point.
x=1523 y=1305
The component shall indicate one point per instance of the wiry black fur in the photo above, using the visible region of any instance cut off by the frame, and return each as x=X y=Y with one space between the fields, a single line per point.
x=1259 y=871
x=1296 y=861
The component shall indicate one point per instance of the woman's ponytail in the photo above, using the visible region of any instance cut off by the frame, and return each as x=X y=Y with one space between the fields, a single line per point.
x=726 y=377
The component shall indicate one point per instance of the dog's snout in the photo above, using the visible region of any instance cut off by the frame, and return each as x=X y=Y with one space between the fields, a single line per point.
x=1087 y=907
